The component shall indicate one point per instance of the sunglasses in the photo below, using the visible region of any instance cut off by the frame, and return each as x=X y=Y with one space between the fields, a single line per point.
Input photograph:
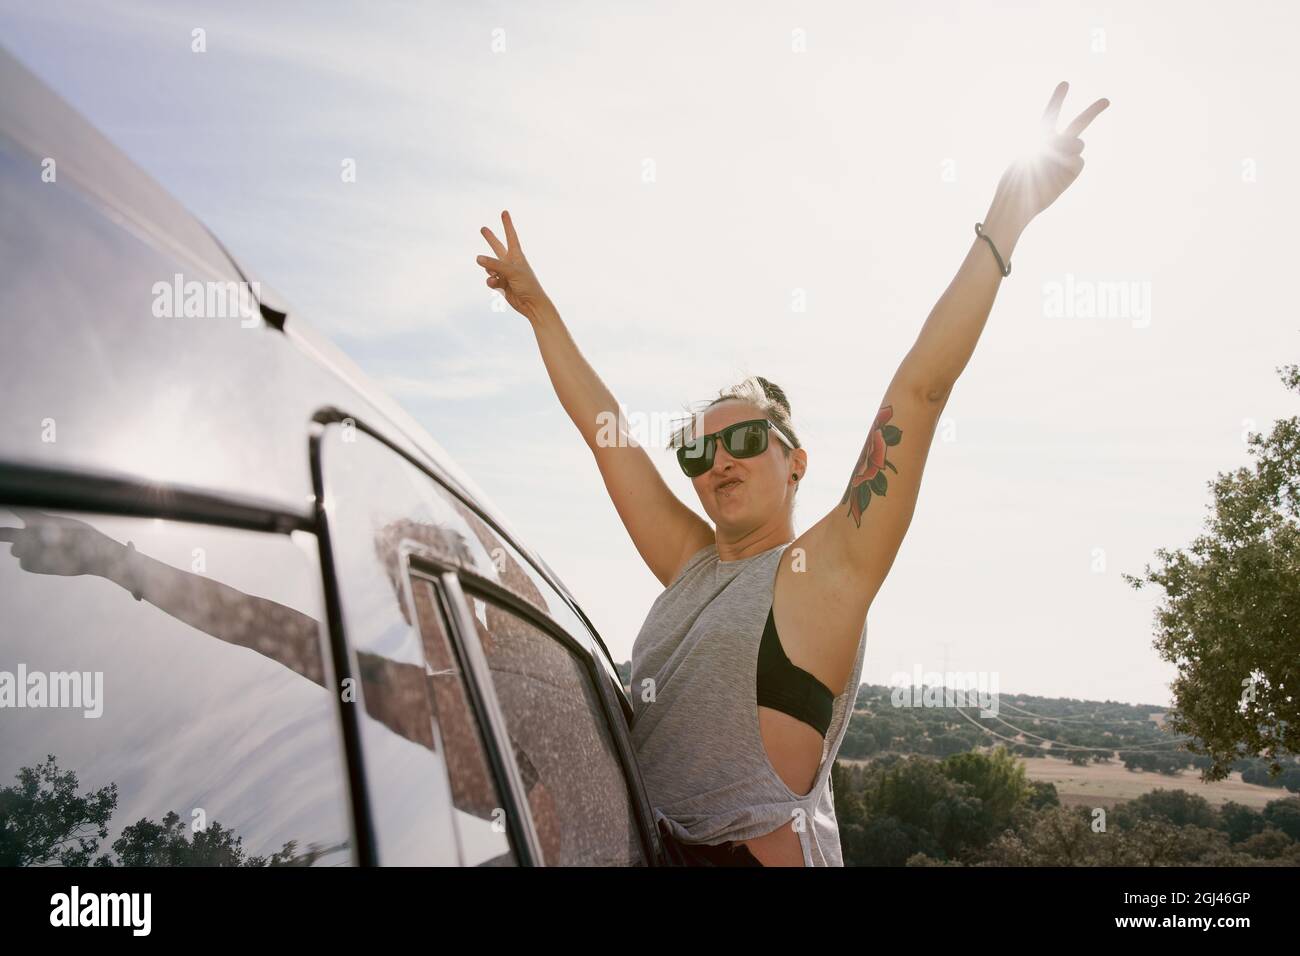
x=742 y=440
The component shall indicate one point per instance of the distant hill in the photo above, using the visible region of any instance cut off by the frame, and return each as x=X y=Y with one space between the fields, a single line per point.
x=1080 y=731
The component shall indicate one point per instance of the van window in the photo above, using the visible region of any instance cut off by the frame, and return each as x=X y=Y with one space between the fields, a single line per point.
x=577 y=791
x=163 y=697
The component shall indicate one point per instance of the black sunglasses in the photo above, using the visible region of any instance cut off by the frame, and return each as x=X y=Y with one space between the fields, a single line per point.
x=742 y=440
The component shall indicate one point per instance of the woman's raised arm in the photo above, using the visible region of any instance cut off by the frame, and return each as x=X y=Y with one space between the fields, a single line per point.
x=1028 y=186
x=664 y=530
x=861 y=535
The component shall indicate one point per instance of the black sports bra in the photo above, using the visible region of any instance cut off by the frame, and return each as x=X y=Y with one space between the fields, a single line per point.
x=788 y=688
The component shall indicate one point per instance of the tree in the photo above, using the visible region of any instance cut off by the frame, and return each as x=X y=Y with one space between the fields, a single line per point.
x=1240 y=822
x=1042 y=794
x=1268 y=844
x=44 y=822
x=996 y=778
x=1169 y=764
x=908 y=791
x=1056 y=836
x=960 y=822
x=1230 y=619
x=1285 y=815
x=1178 y=807
x=887 y=842
x=168 y=844
x=1156 y=842
x=913 y=807
x=1141 y=760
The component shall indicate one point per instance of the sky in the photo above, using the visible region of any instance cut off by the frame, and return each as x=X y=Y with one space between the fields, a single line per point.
x=711 y=190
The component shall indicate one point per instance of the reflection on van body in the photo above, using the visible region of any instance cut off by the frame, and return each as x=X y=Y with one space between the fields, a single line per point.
x=220 y=732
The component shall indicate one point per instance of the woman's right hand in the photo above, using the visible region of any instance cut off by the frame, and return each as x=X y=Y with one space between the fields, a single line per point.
x=511 y=273
x=52 y=544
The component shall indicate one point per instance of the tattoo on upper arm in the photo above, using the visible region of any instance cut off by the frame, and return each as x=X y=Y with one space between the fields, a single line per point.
x=869 y=473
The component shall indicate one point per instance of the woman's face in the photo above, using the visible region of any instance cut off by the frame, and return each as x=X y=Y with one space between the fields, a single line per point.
x=744 y=493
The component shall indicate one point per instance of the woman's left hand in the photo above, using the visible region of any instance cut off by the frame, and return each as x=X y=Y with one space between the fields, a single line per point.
x=1033 y=181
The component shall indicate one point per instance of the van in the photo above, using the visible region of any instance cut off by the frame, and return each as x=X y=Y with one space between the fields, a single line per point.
x=253 y=614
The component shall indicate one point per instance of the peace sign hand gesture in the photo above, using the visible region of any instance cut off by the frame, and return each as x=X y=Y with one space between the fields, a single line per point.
x=1034 y=180
x=511 y=273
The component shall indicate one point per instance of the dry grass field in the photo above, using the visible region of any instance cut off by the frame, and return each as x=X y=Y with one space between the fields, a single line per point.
x=1104 y=785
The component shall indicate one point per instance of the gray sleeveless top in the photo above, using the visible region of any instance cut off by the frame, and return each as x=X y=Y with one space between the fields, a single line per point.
x=695 y=712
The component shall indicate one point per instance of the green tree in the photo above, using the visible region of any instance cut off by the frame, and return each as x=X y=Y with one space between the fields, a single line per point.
x=1240 y=822
x=147 y=843
x=996 y=778
x=943 y=809
x=44 y=822
x=1056 y=836
x=1230 y=618
x=1177 y=807
x=1269 y=844
x=884 y=841
x=907 y=791
x=1156 y=842
x=1042 y=793
x=1285 y=815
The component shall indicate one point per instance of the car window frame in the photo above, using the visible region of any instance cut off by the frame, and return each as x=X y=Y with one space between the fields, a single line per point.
x=451 y=574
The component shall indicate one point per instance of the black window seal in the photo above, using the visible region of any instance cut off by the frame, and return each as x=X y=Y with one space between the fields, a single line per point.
x=40 y=486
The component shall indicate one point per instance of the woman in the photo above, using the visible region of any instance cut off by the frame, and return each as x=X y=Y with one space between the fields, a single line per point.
x=745 y=671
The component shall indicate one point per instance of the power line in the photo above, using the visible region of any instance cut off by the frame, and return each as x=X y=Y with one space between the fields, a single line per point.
x=1062 y=720
x=1089 y=720
x=1055 y=746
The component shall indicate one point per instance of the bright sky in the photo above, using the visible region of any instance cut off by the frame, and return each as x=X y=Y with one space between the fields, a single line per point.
x=681 y=176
